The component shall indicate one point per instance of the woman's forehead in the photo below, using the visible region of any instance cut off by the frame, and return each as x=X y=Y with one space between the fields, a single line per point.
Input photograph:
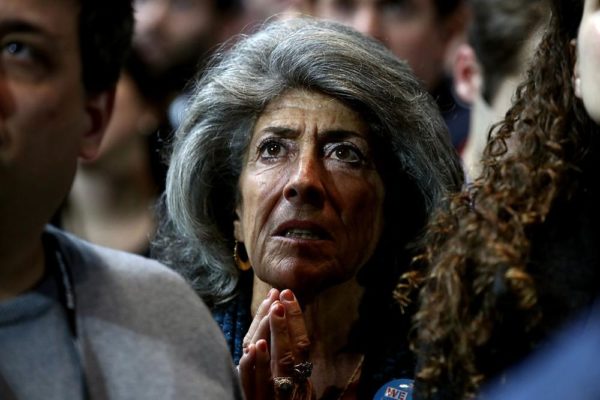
x=299 y=109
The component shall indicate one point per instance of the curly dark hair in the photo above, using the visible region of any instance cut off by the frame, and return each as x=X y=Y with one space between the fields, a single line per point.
x=479 y=248
x=105 y=30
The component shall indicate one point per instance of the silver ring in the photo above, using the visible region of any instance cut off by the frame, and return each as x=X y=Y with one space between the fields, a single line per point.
x=284 y=385
x=303 y=370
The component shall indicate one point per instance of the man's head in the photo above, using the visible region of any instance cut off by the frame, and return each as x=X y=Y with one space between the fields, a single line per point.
x=171 y=36
x=502 y=34
x=419 y=31
x=502 y=38
x=105 y=29
x=59 y=64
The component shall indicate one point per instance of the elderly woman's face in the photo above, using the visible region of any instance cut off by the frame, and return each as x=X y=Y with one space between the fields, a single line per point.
x=588 y=58
x=311 y=212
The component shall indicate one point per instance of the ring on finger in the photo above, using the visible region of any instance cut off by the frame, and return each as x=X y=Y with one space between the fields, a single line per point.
x=284 y=385
x=302 y=371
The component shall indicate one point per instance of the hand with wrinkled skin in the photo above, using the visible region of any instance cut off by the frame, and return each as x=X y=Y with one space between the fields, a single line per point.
x=276 y=341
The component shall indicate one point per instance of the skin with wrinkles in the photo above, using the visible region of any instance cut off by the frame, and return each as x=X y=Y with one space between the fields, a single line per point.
x=311 y=212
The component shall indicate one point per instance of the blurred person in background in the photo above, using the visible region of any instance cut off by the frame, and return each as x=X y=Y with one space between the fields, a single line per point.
x=502 y=37
x=258 y=11
x=422 y=32
x=172 y=40
x=112 y=200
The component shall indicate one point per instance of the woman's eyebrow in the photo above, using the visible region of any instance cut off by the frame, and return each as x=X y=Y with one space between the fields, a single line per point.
x=282 y=131
x=337 y=134
x=327 y=135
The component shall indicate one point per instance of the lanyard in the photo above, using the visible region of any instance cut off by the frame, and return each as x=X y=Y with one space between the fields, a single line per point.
x=68 y=300
x=67 y=295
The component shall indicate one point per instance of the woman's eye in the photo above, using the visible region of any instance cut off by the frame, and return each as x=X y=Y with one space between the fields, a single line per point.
x=272 y=149
x=346 y=153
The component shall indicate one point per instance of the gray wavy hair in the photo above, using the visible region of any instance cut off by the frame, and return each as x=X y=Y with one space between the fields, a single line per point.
x=413 y=154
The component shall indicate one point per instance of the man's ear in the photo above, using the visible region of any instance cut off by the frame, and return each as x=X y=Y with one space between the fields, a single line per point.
x=576 y=77
x=467 y=74
x=98 y=108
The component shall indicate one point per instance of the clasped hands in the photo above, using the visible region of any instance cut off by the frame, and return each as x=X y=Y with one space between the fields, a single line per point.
x=276 y=348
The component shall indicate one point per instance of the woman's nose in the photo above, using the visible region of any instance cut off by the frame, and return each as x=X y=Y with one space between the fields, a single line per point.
x=306 y=185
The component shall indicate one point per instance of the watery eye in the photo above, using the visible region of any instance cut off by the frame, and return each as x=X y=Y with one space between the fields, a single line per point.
x=346 y=153
x=272 y=149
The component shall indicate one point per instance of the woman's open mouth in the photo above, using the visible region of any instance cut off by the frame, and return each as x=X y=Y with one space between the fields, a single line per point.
x=302 y=230
x=303 y=234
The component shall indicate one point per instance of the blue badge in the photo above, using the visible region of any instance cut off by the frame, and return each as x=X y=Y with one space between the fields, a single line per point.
x=398 y=389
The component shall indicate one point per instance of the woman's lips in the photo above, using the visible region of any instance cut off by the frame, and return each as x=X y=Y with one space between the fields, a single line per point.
x=302 y=230
x=302 y=234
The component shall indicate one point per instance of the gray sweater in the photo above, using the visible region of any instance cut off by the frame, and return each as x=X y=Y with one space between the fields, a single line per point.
x=143 y=334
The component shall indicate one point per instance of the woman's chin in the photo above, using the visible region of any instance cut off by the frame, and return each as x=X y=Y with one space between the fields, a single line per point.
x=307 y=286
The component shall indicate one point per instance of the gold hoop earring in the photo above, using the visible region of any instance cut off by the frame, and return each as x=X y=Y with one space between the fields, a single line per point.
x=240 y=256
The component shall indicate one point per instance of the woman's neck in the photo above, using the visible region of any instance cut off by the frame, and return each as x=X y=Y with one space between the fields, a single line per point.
x=330 y=316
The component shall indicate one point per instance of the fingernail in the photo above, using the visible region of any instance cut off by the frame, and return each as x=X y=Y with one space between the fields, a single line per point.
x=270 y=292
x=261 y=345
x=279 y=310
x=246 y=349
x=287 y=295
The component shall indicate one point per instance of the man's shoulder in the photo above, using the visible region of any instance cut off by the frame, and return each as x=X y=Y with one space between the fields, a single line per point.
x=84 y=257
x=133 y=306
x=106 y=277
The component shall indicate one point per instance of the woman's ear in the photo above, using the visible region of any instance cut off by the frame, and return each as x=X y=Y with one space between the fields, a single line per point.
x=576 y=78
x=237 y=225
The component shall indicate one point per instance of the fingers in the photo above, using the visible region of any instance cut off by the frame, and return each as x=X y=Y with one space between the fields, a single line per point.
x=289 y=348
x=296 y=326
x=255 y=332
x=262 y=332
x=282 y=356
x=263 y=387
x=255 y=373
x=246 y=371
x=275 y=346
